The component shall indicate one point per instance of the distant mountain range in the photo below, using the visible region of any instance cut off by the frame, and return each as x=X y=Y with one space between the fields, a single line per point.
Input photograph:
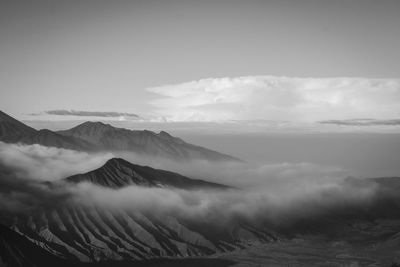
x=97 y=136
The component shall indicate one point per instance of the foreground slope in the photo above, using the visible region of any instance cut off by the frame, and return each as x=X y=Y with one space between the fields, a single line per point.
x=86 y=232
x=18 y=251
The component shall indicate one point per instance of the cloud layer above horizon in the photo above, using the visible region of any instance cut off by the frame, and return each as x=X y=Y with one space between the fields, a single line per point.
x=278 y=98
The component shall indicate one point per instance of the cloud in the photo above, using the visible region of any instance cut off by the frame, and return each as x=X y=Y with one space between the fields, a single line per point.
x=221 y=206
x=245 y=175
x=279 y=194
x=363 y=122
x=278 y=98
x=106 y=114
x=48 y=163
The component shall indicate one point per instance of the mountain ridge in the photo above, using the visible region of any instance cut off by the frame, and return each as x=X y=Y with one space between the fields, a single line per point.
x=97 y=136
x=107 y=137
x=117 y=173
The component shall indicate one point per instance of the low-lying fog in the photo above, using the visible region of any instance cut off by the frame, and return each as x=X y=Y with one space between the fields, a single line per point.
x=278 y=193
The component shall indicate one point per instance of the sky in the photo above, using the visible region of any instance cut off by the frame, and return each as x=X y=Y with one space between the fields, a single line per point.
x=201 y=60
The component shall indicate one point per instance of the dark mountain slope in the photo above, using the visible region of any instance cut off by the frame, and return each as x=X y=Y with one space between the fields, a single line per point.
x=10 y=128
x=18 y=251
x=119 y=173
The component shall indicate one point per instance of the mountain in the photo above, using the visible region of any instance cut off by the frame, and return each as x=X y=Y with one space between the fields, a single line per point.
x=48 y=138
x=118 y=173
x=14 y=131
x=18 y=251
x=109 y=138
x=97 y=136
x=90 y=232
x=10 y=128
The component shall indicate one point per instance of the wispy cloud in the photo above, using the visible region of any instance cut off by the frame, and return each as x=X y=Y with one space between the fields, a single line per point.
x=363 y=122
x=80 y=113
x=278 y=98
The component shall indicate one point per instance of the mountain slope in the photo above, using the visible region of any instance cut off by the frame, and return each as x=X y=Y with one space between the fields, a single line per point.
x=97 y=136
x=11 y=128
x=89 y=231
x=17 y=251
x=14 y=131
x=107 y=137
x=118 y=173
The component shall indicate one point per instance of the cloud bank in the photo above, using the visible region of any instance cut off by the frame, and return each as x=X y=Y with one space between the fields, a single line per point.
x=277 y=194
x=278 y=98
x=43 y=163
x=363 y=122
x=80 y=113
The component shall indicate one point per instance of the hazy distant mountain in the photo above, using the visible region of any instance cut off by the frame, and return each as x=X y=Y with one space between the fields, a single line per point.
x=107 y=137
x=48 y=138
x=118 y=173
x=97 y=136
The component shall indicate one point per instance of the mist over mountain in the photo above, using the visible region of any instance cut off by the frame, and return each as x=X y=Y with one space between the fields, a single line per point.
x=199 y=133
x=140 y=221
x=123 y=211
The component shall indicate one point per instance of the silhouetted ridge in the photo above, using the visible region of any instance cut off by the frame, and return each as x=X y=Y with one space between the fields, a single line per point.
x=117 y=172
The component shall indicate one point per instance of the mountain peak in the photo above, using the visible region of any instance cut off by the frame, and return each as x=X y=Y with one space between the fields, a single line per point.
x=117 y=173
x=115 y=162
x=96 y=124
x=91 y=128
